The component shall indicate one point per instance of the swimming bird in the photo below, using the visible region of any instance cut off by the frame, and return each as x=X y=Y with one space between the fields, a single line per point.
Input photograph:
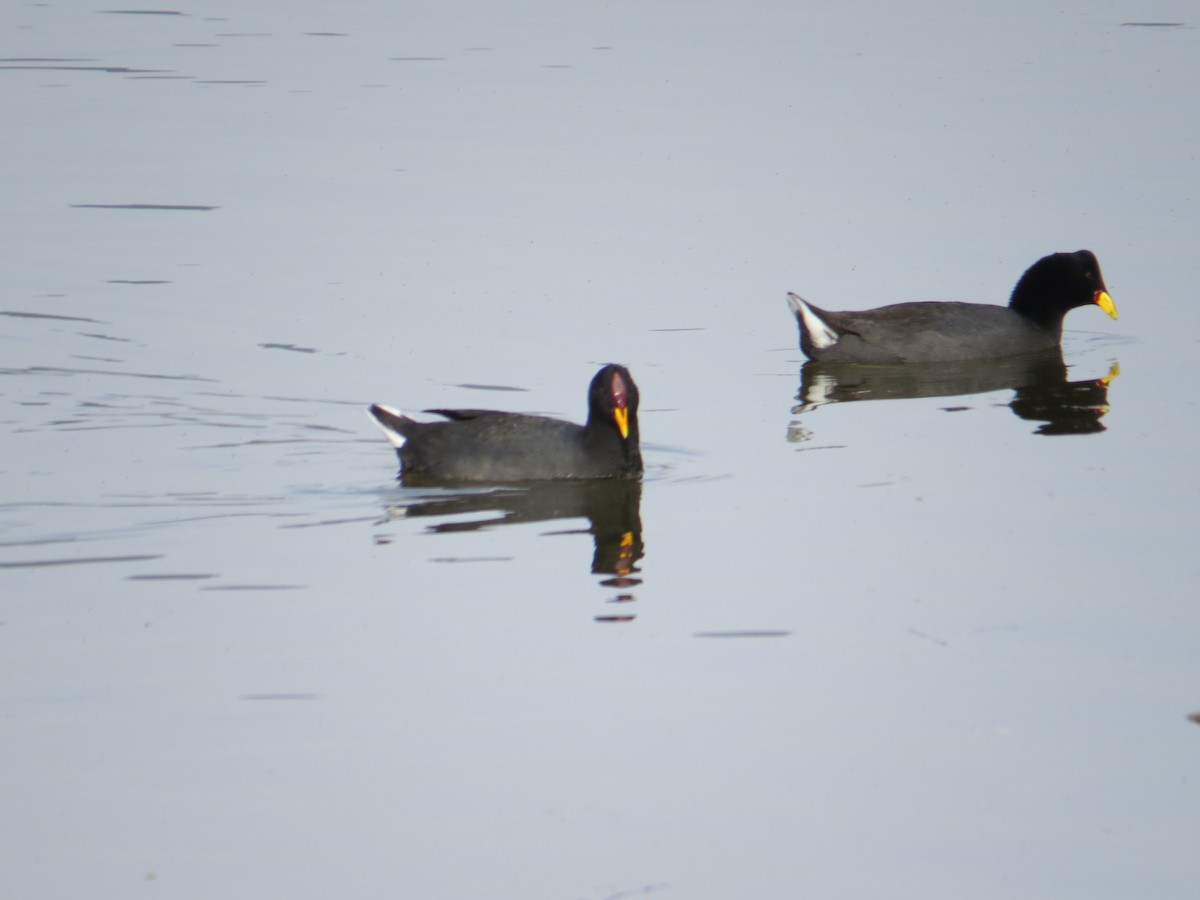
x=948 y=331
x=483 y=445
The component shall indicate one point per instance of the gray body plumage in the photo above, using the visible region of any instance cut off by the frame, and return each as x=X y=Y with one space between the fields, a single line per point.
x=483 y=445
x=948 y=331
x=925 y=332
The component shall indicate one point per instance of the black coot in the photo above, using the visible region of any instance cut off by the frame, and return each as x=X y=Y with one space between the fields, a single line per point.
x=484 y=445
x=948 y=331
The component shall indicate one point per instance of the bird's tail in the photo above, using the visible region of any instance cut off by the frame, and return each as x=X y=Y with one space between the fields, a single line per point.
x=392 y=422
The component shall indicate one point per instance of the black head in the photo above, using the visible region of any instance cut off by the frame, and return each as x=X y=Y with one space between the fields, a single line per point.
x=1058 y=283
x=613 y=402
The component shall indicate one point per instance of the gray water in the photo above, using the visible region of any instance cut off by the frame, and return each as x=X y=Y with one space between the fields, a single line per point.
x=912 y=635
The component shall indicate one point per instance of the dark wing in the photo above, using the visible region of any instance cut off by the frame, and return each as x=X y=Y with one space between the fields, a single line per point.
x=463 y=415
x=516 y=419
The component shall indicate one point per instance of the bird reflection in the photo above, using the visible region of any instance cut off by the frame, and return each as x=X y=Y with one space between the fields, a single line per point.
x=1043 y=393
x=611 y=507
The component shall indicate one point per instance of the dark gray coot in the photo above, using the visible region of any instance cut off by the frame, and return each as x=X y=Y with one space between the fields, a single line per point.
x=949 y=331
x=486 y=445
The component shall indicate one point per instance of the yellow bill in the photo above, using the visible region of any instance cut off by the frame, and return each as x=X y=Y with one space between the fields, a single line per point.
x=1105 y=302
x=622 y=415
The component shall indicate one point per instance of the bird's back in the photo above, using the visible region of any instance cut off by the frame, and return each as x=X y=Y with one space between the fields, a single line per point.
x=931 y=331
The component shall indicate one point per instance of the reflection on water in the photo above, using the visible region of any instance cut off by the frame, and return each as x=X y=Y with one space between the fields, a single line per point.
x=612 y=509
x=1043 y=393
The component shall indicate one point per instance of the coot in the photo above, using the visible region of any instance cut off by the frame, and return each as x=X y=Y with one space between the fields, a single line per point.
x=947 y=331
x=485 y=445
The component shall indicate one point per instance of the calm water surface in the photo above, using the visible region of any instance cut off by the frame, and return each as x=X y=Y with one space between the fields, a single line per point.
x=860 y=633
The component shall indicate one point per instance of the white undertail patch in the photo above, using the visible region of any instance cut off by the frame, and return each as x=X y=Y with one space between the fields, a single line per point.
x=819 y=333
x=395 y=438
